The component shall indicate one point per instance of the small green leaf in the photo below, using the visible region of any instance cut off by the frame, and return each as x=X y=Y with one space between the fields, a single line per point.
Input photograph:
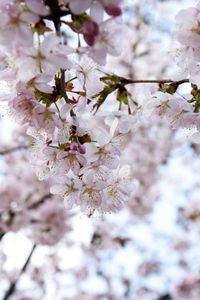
x=122 y=95
x=43 y=97
x=80 y=20
x=170 y=89
x=103 y=95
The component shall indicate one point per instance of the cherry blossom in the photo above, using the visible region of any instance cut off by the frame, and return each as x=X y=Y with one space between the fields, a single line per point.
x=69 y=189
x=47 y=59
x=14 y=24
x=94 y=139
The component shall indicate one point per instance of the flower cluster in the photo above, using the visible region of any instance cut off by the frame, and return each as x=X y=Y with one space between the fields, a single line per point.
x=54 y=89
x=188 y=29
x=58 y=89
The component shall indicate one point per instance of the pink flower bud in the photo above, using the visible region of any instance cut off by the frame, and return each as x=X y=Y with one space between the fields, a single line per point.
x=90 y=30
x=114 y=11
x=81 y=149
x=90 y=39
x=74 y=146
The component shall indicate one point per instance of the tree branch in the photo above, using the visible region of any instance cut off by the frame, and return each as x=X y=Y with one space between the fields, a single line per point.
x=130 y=81
x=13 y=285
x=10 y=150
x=1 y=234
x=40 y=201
x=165 y=297
x=56 y=13
x=125 y=81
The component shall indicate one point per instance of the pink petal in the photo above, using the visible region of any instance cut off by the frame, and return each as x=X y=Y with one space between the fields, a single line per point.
x=79 y=6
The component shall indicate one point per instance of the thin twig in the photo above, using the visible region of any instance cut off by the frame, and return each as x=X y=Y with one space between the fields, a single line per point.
x=40 y=201
x=165 y=297
x=125 y=81
x=130 y=81
x=62 y=86
x=2 y=234
x=10 y=150
x=13 y=285
x=56 y=14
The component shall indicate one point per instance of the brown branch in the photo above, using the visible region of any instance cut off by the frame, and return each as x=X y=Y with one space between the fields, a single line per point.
x=1 y=234
x=40 y=201
x=31 y=206
x=56 y=13
x=62 y=89
x=125 y=81
x=10 y=150
x=165 y=297
x=162 y=81
x=13 y=285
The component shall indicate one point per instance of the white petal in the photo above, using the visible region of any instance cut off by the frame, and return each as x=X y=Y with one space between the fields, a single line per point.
x=79 y=6
x=58 y=189
x=96 y=12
